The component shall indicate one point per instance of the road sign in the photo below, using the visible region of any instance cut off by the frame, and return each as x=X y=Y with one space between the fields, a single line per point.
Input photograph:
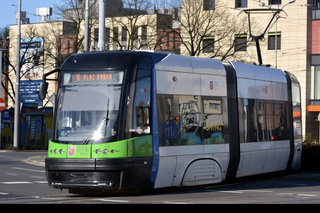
x=2 y=104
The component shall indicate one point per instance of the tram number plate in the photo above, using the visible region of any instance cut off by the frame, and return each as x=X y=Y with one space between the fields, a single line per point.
x=169 y=130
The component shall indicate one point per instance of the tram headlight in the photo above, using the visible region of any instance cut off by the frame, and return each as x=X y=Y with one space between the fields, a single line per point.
x=61 y=151
x=97 y=151
x=105 y=151
x=55 y=151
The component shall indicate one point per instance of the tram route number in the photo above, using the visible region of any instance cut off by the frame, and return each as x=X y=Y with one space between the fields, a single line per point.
x=169 y=130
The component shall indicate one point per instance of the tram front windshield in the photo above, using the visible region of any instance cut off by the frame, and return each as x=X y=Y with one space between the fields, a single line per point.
x=88 y=107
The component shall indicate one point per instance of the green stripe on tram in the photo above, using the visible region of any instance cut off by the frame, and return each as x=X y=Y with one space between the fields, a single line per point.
x=135 y=147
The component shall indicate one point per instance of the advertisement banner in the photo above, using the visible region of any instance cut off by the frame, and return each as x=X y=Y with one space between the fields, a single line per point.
x=31 y=53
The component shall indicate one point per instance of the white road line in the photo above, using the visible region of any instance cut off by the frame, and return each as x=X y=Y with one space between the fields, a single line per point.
x=17 y=182
x=31 y=170
x=10 y=173
x=41 y=181
x=238 y=192
x=308 y=195
x=3 y=193
x=122 y=201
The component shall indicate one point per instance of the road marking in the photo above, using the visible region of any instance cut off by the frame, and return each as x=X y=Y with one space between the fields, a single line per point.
x=238 y=192
x=308 y=195
x=10 y=173
x=3 y=193
x=28 y=169
x=17 y=182
x=122 y=201
x=41 y=181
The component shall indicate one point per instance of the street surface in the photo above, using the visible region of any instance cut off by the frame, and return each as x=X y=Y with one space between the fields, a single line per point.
x=25 y=183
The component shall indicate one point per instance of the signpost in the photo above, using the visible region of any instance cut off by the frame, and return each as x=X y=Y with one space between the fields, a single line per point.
x=29 y=90
x=2 y=107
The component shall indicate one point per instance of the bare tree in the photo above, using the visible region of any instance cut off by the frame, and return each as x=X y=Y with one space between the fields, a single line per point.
x=209 y=29
x=137 y=24
x=73 y=14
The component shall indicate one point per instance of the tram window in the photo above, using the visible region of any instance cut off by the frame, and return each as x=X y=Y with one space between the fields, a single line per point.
x=138 y=108
x=279 y=121
x=166 y=124
x=247 y=120
x=189 y=121
x=269 y=122
x=212 y=121
x=262 y=130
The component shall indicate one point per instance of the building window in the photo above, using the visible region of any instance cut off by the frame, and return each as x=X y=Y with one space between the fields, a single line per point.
x=241 y=3
x=274 y=2
x=115 y=38
x=315 y=82
x=272 y=41
x=316 y=4
x=240 y=42
x=208 y=4
x=208 y=44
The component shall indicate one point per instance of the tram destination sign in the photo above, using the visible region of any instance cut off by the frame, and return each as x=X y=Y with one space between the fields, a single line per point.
x=93 y=77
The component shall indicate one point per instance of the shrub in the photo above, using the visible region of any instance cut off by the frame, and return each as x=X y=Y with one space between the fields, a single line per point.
x=310 y=158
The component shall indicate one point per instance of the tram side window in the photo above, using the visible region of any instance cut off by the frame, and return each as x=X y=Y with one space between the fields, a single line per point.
x=247 y=120
x=189 y=120
x=281 y=120
x=167 y=125
x=262 y=130
x=138 y=108
x=269 y=121
x=212 y=121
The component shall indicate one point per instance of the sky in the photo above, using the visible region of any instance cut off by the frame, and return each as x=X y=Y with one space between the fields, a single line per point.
x=8 y=12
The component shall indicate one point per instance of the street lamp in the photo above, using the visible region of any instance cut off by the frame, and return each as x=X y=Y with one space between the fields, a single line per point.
x=17 y=88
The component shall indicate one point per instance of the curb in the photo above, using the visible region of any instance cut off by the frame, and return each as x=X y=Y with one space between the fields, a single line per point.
x=39 y=160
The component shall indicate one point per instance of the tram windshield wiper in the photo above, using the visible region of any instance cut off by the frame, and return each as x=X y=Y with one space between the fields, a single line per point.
x=101 y=124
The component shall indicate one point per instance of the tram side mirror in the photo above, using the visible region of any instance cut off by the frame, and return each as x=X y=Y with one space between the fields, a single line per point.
x=43 y=90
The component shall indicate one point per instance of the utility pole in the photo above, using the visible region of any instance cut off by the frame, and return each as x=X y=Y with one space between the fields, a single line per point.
x=86 y=30
x=17 y=92
x=102 y=26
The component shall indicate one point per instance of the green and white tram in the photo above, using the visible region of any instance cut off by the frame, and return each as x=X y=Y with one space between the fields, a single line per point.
x=139 y=120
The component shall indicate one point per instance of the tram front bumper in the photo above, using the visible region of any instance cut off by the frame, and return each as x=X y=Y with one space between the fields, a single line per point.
x=119 y=173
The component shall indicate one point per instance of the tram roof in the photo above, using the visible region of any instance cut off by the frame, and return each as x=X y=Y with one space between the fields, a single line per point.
x=113 y=60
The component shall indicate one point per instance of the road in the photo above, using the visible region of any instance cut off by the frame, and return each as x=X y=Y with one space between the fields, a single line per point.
x=22 y=182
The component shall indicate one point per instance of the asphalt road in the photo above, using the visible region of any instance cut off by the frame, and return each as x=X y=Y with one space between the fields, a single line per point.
x=24 y=183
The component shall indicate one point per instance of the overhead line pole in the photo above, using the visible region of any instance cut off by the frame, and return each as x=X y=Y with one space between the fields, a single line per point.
x=17 y=92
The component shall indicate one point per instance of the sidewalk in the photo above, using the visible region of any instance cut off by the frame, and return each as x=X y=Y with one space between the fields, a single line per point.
x=303 y=175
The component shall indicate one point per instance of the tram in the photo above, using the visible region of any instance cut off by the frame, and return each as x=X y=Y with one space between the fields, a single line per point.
x=145 y=119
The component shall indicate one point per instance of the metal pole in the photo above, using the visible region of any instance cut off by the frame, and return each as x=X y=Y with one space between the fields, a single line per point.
x=0 y=92
x=102 y=25
x=86 y=31
x=276 y=43
x=17 y=92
